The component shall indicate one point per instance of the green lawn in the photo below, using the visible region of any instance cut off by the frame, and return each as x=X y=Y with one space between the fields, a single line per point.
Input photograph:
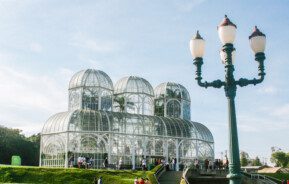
x=26 y=174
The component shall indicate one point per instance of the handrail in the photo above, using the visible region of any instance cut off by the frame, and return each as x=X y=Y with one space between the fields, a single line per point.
x=158 y=172
x=185 y=173
x=266 y=179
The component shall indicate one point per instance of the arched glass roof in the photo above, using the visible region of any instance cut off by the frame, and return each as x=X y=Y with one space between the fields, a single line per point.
x=125 y=123
x=133 y=84
x=91 y=78
x=57 y=123
x=172 y=90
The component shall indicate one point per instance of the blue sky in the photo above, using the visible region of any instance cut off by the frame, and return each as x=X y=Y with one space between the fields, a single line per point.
x=42 y=43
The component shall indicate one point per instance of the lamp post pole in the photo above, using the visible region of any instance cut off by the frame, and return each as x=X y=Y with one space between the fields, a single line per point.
x=227 y=31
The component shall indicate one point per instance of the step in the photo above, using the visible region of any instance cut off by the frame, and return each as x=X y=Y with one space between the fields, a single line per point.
x=171 y=177
x=208 y=180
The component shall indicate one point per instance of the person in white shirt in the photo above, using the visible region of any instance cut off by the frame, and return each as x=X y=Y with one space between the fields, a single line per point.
x=144 y=163
x=79 y=161
x=120 y=163
x=136 y=181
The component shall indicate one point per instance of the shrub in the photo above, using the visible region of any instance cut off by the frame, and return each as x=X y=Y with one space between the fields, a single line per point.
x=22 y=174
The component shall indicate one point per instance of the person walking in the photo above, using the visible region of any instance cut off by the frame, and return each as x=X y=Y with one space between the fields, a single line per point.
x=206 y=164
x=90 y=162
x=120 y=163
x=144 y=163
x=105 y=163
x=167 y=166
x=211 y=165
x=79 y=161
x=71 y=160
x=196 y=163
x=136 y=181
x=174 y=164
x=156 y=162
x=141 y=181
x=227 y=163
x=100 y=181
x=163 y=161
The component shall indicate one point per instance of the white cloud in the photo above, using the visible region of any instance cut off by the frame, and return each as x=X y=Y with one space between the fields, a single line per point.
x=271 y=90
x=67 y=73
x=83 y=41
x=187 y=5
x=27 y=100
x=36 y=47
x=28 y=90
x=6 y=57
x=265 y=123
x=282 y=111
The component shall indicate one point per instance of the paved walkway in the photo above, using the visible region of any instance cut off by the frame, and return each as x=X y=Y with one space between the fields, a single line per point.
x=171 y=177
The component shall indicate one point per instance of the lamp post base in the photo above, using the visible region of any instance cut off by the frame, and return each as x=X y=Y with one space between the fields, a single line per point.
x=234 y=178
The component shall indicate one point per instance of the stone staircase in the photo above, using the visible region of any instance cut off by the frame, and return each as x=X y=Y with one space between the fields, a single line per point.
x=171 y=177
x=215 y=177
x=208 y=180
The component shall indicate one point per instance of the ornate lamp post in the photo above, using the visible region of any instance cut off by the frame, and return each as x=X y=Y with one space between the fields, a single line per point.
x=227 y=33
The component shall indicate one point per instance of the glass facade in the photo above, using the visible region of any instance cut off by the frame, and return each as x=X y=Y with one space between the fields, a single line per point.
x=90 y=89
x=128 y=122
x=135 y=94
x=172 y=100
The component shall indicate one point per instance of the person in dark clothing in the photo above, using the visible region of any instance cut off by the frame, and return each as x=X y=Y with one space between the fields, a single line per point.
x=156 y=162
x=206 y=164
x=71 y=161
x=105 y=163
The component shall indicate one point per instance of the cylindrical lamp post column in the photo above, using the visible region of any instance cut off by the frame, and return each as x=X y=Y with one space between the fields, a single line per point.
x=227 y=33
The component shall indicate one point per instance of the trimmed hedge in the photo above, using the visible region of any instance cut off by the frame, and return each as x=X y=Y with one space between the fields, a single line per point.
x=29 y=174
x=10 y=174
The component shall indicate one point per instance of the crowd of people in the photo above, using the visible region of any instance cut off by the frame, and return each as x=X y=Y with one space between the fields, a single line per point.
x=170 y=164
x=209 y=164
x=85 y=162
x=82 y=162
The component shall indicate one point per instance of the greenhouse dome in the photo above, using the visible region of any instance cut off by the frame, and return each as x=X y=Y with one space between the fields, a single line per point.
x=172 y=100
x=91 y=78
x=136 y=94
x=133 y=84
x=131 y=133
x=90 y=89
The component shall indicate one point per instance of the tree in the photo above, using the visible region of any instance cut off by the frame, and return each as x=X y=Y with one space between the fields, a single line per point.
x=12 y=142
x=256 y=161
x=159 y=107
x=173 y=93
x=280 y=158
x=35 y=143
x=121 y=103
x=244 y=157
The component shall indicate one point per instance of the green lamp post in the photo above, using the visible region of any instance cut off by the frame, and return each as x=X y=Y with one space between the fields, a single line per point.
x=227 y=33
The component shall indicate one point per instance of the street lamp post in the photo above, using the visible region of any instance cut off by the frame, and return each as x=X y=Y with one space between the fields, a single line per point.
x=227 y=33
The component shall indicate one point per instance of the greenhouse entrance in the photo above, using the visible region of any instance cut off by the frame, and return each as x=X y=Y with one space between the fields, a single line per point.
x=97 y=159
x=91 y=147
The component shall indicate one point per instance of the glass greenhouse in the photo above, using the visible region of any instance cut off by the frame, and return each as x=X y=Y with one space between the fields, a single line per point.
x=127 y=121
